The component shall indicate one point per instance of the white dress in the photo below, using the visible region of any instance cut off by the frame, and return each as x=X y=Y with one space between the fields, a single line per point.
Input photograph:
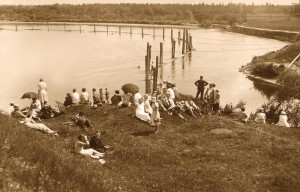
x=283 y=121
x=42 y=90
x=141 y=114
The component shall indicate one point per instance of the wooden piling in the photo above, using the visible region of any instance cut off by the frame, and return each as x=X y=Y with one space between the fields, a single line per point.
x=106 y=28
x=173 y=48
x=183 y=42
x=16 y=26
x=80 y=28
x=143 y=32
x=94 y=28
x=163 y=33
x=47 y=25
x=187 y=40
x=191 y=44
x=64 y=26
x=130 y=30
x=154 y=32
x=179 y=36
x=172 y=35
x=161 y=54
x=146 y=74
x=155 y=74
x=119 y=30
x=31 y=26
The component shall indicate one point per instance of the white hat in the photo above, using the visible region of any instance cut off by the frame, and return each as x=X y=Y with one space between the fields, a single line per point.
x=282 y=113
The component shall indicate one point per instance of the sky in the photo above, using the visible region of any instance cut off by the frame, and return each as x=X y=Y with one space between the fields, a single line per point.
x=43 y=2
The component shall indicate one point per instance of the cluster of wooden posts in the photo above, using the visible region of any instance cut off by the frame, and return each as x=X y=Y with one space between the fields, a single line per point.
x=151 y=70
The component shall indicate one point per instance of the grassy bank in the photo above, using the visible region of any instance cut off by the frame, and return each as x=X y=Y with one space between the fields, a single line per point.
x=183 y=156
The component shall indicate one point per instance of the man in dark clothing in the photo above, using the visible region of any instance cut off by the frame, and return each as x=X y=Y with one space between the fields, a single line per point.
x=117 y=98
x=97 y=143
x=200 y=87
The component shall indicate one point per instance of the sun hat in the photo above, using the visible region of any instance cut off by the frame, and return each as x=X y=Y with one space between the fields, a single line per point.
x=282 y=113
x=153 y=99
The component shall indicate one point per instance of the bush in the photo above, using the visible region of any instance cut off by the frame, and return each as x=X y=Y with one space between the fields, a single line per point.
x=267 y=70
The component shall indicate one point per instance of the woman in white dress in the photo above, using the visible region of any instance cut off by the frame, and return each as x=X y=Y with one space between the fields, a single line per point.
x=260 y=117
x=38 y=126
x=283 y=120
x=83 y=142
x=148 y=108
x=140 y=111
x=42 y=91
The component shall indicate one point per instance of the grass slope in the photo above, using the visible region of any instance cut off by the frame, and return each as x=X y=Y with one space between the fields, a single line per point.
x=183 y=156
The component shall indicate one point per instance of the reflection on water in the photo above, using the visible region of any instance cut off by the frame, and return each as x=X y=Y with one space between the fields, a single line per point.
x=109 y=59
x=266 y=89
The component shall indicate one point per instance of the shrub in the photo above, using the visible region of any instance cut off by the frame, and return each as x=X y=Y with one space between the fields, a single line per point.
x=267 y=70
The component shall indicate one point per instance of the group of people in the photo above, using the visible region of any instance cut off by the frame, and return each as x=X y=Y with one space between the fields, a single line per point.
x=147 y=108
x=95 y=98
x=95 y=148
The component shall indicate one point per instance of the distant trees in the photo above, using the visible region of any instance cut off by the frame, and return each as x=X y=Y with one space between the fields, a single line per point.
x=137 y=13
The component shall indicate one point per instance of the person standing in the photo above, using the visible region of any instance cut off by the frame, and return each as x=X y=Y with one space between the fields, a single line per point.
x=42 y=91
x=106 y=95
x=96 y=97
x=200 y=87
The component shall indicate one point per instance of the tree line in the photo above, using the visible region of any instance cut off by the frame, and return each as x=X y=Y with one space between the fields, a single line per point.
x=139 y=13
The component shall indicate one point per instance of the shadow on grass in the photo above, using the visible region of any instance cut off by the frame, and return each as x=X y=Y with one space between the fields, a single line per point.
x=142 y=133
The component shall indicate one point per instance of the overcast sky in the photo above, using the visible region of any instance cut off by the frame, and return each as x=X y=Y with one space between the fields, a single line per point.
x=42 y=2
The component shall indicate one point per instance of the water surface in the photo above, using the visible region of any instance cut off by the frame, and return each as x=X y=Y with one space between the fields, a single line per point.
x=74 y=59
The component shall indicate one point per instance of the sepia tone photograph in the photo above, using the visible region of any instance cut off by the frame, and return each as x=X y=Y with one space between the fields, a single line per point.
x=150 y=95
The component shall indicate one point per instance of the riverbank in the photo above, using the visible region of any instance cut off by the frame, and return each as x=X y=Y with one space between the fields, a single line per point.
x=272 y=64
x=204 y=154
x=282 y=35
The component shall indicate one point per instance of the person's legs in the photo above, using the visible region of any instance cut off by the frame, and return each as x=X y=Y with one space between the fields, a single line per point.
x=197 y=94
x=201 y=93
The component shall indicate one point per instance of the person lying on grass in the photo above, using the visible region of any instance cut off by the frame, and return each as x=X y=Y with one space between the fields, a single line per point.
x=81 y=147
x=81 y=121
x=97 y=143
x=38 y=126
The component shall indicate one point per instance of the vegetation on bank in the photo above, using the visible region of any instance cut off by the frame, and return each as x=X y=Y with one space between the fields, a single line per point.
x=140 y=13
x=204 y=154
x=273 y=64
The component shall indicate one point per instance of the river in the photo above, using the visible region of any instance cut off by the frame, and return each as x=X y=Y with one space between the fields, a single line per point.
x=68 y=58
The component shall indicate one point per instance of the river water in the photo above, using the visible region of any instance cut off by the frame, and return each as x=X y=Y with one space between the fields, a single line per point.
x=68 y=58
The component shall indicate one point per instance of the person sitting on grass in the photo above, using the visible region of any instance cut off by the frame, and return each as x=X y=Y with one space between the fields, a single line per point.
x=75 y=97
x=84 y=96
x=147 y=105
x=168 y=103
x=140 y=111
x=34 y=108
x=176 y=111
x=260 y=116
x=126 y=101
x=283 y=120
x=97 y=143
x=192 y=108
x=81 y=147
x=68 y=100
x=155 y=115
x=116 y=99
x=17 y=113
x=38 y=126
x=46 y=111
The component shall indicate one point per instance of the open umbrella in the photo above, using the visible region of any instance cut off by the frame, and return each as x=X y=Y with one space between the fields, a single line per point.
x=130 y=88
x=29 y=95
